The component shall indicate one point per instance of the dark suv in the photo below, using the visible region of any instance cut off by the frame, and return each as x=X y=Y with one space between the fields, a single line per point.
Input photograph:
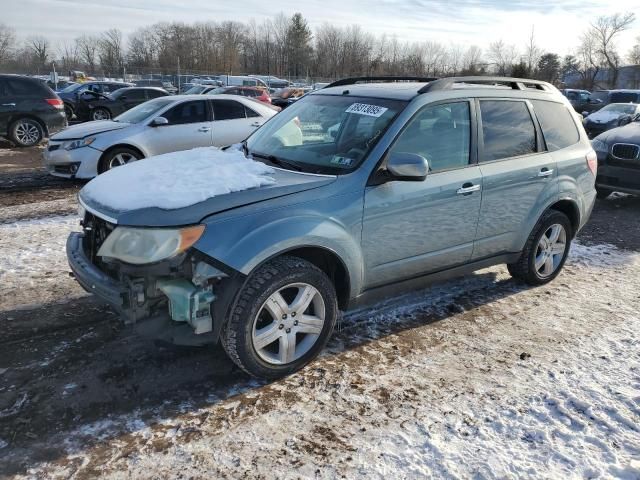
x=71 y=95
x=29 y=110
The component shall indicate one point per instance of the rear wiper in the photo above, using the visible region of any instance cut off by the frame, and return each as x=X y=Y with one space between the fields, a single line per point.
x=277 y=161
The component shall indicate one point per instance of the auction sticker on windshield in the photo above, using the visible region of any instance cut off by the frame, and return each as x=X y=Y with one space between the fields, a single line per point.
x=366 y=109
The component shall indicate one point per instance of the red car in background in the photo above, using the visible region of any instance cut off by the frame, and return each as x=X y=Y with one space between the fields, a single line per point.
x=257 y=93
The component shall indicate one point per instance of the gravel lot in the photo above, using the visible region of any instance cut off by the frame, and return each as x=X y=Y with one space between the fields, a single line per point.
x=479 y=377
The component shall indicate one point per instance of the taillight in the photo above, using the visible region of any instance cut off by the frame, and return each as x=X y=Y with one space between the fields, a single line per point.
x=55 y=103
x=592 y=161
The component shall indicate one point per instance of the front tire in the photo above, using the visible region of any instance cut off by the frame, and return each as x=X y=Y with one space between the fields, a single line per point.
x=26 y=132
x=100 y=114
x=546 y=250
x=117 y=157
x=282 y=318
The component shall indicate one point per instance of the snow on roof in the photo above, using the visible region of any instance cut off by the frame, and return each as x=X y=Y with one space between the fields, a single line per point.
x=177 y=179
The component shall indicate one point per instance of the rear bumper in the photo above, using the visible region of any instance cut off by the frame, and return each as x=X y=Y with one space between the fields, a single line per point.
x=55 y=121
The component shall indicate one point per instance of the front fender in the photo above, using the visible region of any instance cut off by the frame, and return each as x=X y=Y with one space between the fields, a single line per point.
x=245 y=242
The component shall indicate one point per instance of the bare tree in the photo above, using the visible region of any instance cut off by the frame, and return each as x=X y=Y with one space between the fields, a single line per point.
x=471 y=60
x=7 y=42
x=532 y=53
x=590 y=60
x=39 y=49
x=634 y=54
x=604 y=32
x=87 y=51
x=503 y=56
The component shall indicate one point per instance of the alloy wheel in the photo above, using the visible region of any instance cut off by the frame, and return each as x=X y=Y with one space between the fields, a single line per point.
x=100 y=114
x=121 y=159
x=550 y=250
x=288 y=323
x=27 y=133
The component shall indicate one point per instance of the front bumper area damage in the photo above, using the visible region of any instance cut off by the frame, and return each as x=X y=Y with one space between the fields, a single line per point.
x=173 y=299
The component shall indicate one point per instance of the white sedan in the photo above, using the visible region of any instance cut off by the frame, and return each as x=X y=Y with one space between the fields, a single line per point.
x=162 y=125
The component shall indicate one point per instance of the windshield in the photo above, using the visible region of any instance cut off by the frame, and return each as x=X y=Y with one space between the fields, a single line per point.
x=72 y=88
x=629 y=108
x=324 y=133
x=142 y=111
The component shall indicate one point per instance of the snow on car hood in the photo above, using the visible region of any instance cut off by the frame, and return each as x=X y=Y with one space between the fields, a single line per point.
x=89 y=128
x=604 y=117
x=181 y=188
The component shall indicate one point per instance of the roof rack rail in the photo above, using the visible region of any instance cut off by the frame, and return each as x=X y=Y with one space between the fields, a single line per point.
x=354 y=80
x=514 y=83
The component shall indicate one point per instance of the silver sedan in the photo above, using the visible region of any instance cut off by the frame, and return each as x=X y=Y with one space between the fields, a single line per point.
x=162 y=125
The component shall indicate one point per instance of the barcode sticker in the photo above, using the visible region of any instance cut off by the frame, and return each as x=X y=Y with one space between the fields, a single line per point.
x=366 y=109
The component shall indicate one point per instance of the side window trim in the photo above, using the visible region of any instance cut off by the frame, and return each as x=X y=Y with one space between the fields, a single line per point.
x=534 y=120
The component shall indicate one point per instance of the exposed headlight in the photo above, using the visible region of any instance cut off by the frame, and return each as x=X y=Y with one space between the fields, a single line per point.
x=147 y=245
x=83 y=142
x=599 y=146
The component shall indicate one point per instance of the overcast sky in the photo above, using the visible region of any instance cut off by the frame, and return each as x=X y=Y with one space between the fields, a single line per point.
x=557 y=23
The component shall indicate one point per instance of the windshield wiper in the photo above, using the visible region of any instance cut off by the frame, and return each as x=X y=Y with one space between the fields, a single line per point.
x=277 y=161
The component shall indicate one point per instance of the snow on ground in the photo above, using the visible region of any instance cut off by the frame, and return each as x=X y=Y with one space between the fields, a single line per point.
x=479 y=377
x=192 y=176
x=33 y=264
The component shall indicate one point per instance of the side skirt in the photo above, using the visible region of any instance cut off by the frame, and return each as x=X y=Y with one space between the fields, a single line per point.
x=383 y=292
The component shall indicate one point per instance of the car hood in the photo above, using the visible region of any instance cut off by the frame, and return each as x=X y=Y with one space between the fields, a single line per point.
x=89 y=128
x=286 y=182
x=628 y=134
x=604 y=117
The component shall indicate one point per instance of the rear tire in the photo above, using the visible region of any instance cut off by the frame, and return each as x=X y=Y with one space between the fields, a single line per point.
x=68 y=111
x=545 y=251
x=26 y=132
x=118 y=157
x=282 y=318
x=602 y=193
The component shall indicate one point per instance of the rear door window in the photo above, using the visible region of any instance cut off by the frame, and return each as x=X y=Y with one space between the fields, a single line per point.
x=135 y=95
x=624 y=97
x=558 y=127
x=21 y=87
x=507 y=129
x=228 y=110
x=187 y=112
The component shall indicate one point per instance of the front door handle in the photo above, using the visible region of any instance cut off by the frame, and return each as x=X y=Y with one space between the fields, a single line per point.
x=8 y=104
x=545 y=172
x=467 y=189
x=256 y=124
x=204 y=129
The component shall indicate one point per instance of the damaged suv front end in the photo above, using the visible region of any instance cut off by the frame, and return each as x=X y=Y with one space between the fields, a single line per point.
x=141 y=271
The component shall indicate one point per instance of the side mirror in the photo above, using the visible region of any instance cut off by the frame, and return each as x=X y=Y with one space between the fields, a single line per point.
x=585 y=114
x=159 y=122
x=407 y=166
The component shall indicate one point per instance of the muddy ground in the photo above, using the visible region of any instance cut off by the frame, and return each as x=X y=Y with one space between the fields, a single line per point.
x=81 y=395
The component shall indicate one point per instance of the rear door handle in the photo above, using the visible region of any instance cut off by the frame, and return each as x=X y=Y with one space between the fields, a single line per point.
x=545 y=172
x=256 y=124
x=8 y=104
x=204 y=129
x=468 y=188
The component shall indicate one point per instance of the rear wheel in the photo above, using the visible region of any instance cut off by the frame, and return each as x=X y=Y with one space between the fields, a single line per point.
x=68 y=111
x=282 y=319
x=118 y=157
x=546 y=250
x=26 y=132
x=100 y=114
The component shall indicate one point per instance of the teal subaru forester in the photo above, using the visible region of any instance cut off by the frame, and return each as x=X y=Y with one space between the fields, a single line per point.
x=379 y=185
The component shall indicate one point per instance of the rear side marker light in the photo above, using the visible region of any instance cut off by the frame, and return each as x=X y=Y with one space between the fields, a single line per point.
x=592 y=161
x=55 y=103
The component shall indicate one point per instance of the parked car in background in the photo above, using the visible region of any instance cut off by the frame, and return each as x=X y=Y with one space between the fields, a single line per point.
x=260 y=94
x=618 y=152
x=610 y=116
x=162 y=125
x=241 y=81
x=165 y=85
x=319 y=85
x=29 y=110
x=97 y=106
x=403 y=194
x=582 y=101
x=61 y=85
x=198 y=89
x=271 y=81
x=286 y=96
x=71 y=94
x=185 y=87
